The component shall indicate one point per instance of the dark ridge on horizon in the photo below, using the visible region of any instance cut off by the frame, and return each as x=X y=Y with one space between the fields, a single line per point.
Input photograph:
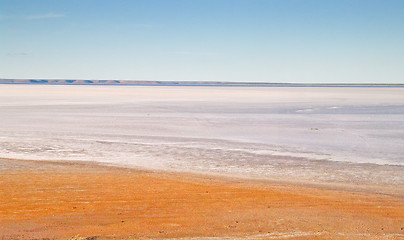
x=181 y=83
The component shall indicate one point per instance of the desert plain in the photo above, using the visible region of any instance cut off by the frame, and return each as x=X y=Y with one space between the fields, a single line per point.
x=107 y=162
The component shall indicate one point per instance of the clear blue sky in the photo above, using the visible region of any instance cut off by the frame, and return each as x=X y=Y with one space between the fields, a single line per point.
x=326 y=41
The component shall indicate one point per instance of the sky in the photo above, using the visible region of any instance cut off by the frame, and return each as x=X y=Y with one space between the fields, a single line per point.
x=282 y=41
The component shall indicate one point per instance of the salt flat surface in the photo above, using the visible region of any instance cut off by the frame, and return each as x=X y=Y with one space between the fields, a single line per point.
x=321 y=134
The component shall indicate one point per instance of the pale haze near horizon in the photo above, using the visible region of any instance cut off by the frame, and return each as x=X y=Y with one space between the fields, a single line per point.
x=251 y=41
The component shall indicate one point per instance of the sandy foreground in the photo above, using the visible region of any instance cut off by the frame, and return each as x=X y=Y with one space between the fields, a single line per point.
x=62 y=200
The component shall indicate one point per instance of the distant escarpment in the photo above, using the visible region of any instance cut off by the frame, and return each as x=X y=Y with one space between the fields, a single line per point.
x=183 y=83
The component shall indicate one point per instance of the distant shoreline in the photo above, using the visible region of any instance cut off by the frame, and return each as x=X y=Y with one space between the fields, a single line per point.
x=185 y=83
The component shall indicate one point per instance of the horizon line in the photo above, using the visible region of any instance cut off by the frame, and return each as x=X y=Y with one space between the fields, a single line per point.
x=69 y=81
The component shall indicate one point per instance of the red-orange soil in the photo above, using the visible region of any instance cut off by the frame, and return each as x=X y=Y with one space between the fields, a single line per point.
x=84 y=201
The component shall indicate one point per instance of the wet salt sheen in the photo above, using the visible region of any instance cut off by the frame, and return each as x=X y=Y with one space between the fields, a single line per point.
x=350 y=135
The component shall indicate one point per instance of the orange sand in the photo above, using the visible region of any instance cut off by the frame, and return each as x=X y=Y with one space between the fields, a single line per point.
x=79 y=201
